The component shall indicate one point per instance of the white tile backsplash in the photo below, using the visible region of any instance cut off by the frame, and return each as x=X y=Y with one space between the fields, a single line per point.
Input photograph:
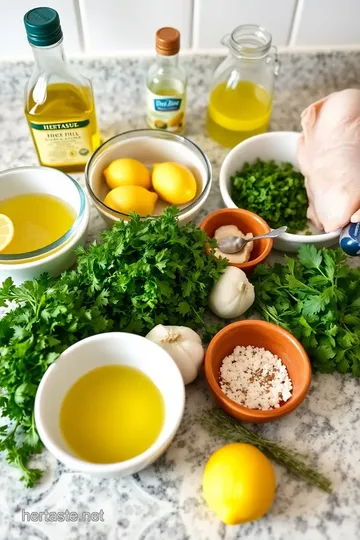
x=215 y=18
x=327 y=22
x=117 y=25
x=13 y=41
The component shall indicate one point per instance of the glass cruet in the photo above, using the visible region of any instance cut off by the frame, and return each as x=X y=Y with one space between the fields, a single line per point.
x=242 y=87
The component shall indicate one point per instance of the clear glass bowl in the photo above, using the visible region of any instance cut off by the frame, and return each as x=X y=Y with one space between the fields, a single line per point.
x=14 y=182
x=148 y=146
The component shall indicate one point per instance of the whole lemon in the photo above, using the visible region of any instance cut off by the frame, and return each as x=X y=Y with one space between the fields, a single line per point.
x=128 y=199
x=127 y=172
x=239 y=483
x=173 y=182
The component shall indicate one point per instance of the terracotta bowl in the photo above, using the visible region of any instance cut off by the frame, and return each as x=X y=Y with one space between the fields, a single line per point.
x=247 y=222
x=274 y=339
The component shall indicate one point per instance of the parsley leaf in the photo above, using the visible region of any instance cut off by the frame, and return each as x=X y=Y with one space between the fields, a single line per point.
x=310 y=257
x=323 y=302
x=142 y=273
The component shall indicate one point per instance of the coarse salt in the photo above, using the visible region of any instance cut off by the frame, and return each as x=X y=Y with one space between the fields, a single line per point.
x=255 y=378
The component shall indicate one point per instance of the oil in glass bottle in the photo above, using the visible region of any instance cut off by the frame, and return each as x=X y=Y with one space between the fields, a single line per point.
x=243 y=85
x=166 y=84
x=59 y=103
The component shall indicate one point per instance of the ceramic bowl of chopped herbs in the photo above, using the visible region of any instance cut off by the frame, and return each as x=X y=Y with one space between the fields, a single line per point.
x=257 y=371
x=261 y=175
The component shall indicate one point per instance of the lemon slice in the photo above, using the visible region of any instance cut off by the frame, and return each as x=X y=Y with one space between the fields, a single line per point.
x=6 y=231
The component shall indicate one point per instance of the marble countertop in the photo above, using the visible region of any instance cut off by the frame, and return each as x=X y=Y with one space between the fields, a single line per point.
x=164 y=502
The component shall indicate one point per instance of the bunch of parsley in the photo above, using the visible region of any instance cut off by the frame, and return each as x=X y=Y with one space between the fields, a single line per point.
x=143 y=273
x=317 y=298
x=276 y=192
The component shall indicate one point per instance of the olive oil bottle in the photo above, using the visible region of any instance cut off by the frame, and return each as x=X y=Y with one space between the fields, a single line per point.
x=59 y=103
x=166 y=84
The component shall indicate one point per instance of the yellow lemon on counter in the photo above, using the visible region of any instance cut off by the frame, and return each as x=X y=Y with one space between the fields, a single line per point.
x=173 y=182
x=127 y=172
x=128 y=199
x=239 y=483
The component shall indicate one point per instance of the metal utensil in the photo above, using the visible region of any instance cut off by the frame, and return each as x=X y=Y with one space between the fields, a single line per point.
x=234 y=244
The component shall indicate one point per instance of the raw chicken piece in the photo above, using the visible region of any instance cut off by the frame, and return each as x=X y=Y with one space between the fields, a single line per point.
x=329 y=158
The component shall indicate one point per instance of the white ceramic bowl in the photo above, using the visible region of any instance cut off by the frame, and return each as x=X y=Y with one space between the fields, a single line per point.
x=279 y=146
x=59 y=255
x=88 y=354
x=148 y=146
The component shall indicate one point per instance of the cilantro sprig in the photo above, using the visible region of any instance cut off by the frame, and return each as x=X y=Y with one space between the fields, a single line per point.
x=317 y=298
x=143 y=273
x=276 y=192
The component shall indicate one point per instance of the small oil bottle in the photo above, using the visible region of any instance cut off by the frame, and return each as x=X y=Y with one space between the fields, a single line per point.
x=59 y=103
x=166 y=84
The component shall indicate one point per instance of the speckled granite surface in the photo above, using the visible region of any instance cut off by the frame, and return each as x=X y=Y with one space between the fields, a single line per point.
x=164 y=502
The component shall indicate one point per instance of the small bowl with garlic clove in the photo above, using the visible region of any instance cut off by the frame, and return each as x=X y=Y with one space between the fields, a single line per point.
x=239 y=222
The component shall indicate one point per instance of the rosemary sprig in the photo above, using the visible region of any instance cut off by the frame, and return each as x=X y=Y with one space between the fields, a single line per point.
x=221 y=425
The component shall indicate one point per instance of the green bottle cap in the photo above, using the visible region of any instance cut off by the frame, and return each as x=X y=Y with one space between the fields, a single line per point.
x=42 y=26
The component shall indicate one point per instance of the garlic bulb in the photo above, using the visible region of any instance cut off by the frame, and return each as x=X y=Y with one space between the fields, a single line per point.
x=232 y=295
x=184 y=346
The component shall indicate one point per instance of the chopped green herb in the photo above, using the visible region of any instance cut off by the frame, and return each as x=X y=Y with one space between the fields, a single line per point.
x=276 y=192
x=317 y=298
x=145 y=272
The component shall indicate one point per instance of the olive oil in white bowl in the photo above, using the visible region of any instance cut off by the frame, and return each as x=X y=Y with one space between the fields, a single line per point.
x=110 y=349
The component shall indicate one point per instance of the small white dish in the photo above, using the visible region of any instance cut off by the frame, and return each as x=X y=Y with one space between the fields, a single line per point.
x=100 y=350
x=148 y=146
x=279 y=146
x=59 y=255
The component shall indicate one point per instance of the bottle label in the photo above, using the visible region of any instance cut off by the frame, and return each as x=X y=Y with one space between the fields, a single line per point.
x=166 y=112
x=61 y=143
